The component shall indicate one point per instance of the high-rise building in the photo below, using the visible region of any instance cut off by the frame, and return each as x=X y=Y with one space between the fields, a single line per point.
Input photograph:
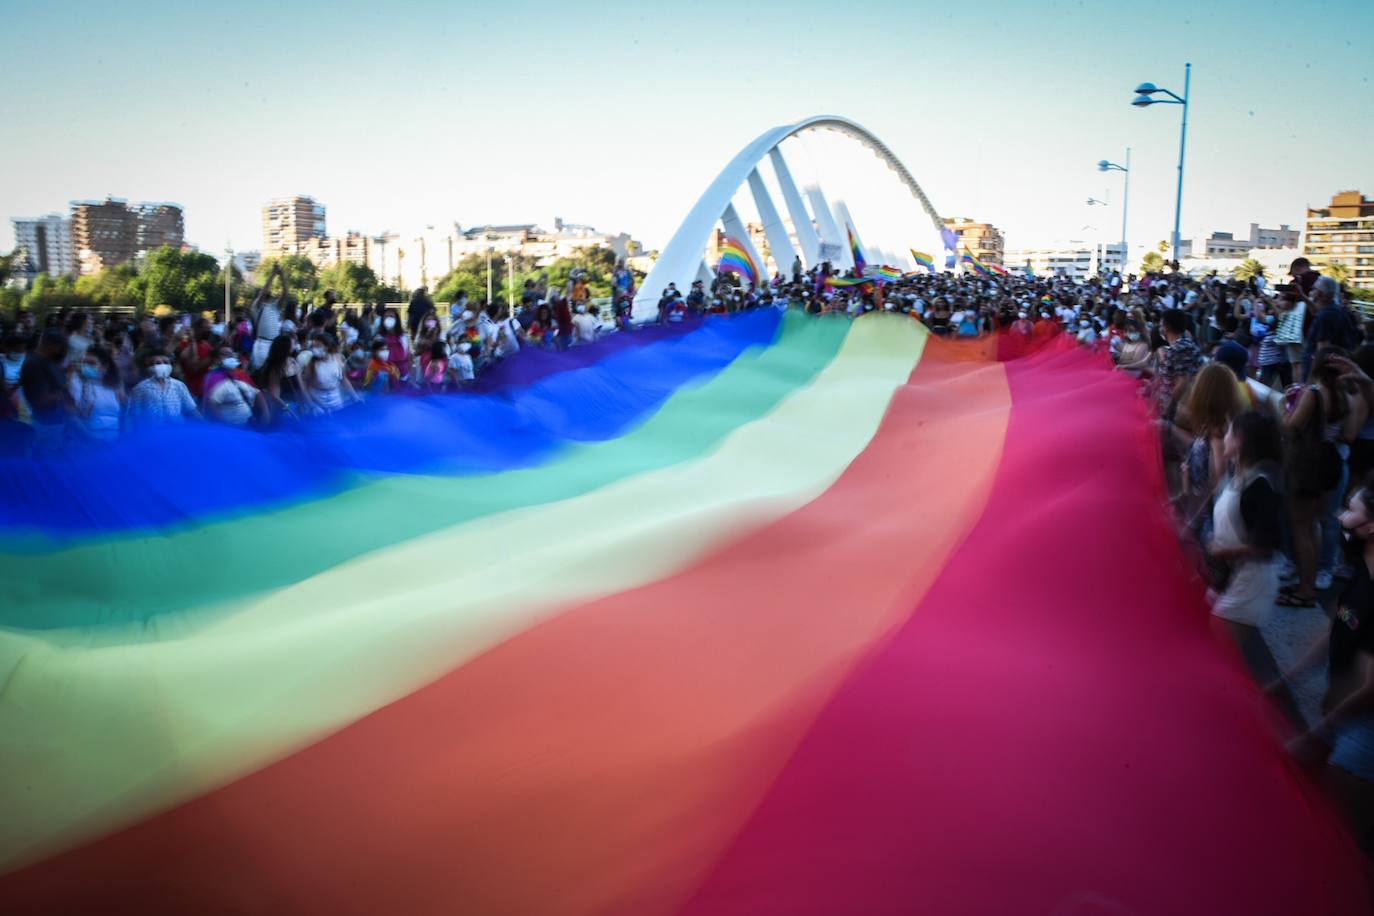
x=983 y=239
x=104 y=233
x=159 y=225
x=110 y=232
x=1343 y=233
x=44 y=246
x=289 y=224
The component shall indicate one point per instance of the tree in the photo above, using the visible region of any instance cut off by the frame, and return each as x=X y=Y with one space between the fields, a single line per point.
x=54 y=294
x=8 y=263
x=1249 y=269
x=1152 y=263
x=351 y=282
x=301 y=275
x=182 y=280
x=1338 y=272
x=114 y=287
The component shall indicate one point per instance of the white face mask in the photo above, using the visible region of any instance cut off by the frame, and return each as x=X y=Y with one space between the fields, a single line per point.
x=1133 y=336
x=384 y=355
x=231 y=362
x=162 y=370
x=319 y=352
x=389 y=323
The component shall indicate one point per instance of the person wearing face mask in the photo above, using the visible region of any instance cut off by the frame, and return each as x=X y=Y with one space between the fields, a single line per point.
x=97 y=396
x=1134 y=352
x=1271 y=358
x=356 y=364
x=460 y=365
x=160 y=399
x=326 y=387
x=230 y=395
x=397 y=343
x=428 y=335
x=434 y=367
x=381 y=375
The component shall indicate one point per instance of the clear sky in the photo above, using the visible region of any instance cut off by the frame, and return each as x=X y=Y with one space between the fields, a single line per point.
x=396 y=115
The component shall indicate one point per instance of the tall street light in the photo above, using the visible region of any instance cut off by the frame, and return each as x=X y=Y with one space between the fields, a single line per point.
x=1105 y=166
x=1145 y=97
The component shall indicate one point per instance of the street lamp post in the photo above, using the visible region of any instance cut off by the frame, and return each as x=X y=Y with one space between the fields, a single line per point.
x=1145 y=93
x=1105 y=166
x=228 y=272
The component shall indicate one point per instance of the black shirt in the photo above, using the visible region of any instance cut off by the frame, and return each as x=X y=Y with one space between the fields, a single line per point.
x=1352 y=632
x=41 y=379
x=1262 y=511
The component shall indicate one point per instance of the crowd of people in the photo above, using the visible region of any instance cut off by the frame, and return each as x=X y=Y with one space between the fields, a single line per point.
x=1263 y=395
x=1264 y=398
x=79 y=377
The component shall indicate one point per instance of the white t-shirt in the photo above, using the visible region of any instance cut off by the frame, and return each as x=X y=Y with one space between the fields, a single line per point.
x=230 y=401
x=461 y=366
x=584 y=328
x=97 y=408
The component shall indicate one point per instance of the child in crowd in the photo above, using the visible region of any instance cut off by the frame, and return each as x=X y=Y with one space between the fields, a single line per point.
x=381 y=375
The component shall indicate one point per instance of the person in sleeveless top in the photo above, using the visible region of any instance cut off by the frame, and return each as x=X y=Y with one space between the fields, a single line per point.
x=1247 y=519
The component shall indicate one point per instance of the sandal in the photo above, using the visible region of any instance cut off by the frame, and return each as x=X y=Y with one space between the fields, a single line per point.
x=1293 y=599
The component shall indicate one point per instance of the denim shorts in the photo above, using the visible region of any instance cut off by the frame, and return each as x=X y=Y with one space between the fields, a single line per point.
x=1353 y=747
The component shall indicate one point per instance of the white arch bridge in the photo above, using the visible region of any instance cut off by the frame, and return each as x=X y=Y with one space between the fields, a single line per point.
x=820 y=227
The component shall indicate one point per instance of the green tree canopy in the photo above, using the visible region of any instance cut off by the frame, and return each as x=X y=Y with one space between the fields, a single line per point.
x=183 y=280
x=1338 y=272
x=1249 y=269
x=301 y=275
x=351 y=283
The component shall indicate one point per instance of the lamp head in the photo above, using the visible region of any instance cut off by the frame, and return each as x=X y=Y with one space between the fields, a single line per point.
x=1102 y=165
x=1142 y=101
x=1146 y=89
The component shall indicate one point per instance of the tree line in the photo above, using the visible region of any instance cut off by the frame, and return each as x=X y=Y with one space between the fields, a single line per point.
x=193 y=281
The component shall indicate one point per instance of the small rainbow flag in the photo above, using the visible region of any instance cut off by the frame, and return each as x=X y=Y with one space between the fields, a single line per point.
x=924 y=260
x=859 y=262
x=998 y=268
x=842 y=282
x=888 y=273
x=735 y=258
x=977 y=266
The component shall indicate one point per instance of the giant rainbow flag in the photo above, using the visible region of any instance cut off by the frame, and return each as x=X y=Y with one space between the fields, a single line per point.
x=762 y=614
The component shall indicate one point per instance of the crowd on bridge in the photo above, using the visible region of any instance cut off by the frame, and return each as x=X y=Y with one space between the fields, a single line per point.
x=81 y=377
x=1262 y=394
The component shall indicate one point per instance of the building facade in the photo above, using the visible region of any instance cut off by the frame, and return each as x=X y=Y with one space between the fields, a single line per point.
x=983 y=239
x=104 y=234
x=353 y=248
x=159 y=225
x=1343 y=233
x=44 y=246
x=290 y=224
x=1074 y=260
x=1226 y=245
